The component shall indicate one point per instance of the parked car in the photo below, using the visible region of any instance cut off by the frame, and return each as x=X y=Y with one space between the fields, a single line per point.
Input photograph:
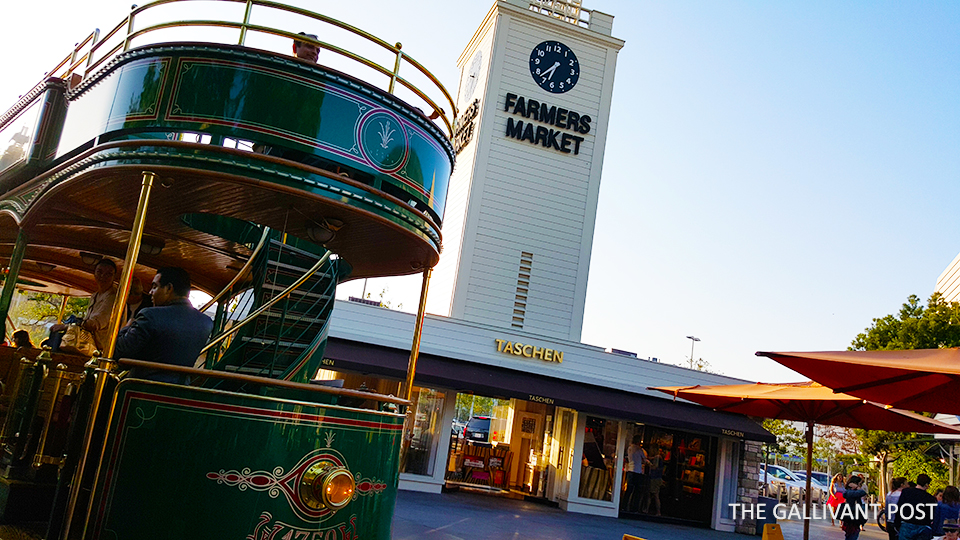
x=478 y=429
x=457 y=428
x=814 y=480
x=780 y=480
x=823 y=478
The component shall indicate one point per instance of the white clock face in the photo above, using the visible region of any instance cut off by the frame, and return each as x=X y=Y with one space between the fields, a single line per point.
x=473 y=75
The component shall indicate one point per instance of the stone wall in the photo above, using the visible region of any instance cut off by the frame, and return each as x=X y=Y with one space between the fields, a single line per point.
x=748 y=484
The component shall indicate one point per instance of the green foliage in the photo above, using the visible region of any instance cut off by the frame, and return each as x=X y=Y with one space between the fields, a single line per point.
x=480 y=405
x=384 y=301
x=44 y=307
x=702 y=365
x=915 y=327
x=790 y=440
x=824 y=449
x=876 y=442
x=912 y=464
x=933 y=326
x=40 y=309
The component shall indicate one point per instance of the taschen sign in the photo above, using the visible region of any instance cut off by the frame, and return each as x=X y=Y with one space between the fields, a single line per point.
x=529 y=351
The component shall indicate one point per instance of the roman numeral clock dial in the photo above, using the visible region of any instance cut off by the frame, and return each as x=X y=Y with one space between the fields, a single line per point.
x=554 y=67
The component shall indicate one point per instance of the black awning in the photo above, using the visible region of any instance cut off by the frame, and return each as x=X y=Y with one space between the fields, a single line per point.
x=438 y=371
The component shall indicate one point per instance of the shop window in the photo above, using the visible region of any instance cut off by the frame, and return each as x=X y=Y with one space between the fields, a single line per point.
x=599 y=458
x=486 y=419
x=422 y=432
x=677 y=480
x=481 y=450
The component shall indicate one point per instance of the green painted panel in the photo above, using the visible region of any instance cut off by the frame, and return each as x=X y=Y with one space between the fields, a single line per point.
x=303 y=113
x=138 y=92
x=269 y=101
x=189 y=463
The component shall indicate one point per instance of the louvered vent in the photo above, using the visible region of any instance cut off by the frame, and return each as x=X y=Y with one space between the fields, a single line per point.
x=523 y=289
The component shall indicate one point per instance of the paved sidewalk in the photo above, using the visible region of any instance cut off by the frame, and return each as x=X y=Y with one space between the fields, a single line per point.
x=466 y=516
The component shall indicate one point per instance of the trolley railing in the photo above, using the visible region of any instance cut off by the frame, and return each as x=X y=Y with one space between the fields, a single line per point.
x=95 y=50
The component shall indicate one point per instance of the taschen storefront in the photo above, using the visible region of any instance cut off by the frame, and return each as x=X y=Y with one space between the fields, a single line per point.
x=560 y=419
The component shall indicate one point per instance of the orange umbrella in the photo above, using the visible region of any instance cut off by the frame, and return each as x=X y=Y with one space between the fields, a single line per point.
x=919 y=380
x=810 y=403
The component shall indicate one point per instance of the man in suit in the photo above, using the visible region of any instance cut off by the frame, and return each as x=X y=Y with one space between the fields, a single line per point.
x=173 y=332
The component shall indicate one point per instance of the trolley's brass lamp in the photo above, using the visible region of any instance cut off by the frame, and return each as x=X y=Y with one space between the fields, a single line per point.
x=325 y=485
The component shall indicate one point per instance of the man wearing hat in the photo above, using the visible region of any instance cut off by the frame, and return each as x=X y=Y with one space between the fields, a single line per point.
x=306 y=50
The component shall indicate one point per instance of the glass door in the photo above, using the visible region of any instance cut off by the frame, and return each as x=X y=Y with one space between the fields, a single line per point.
x=561 y=458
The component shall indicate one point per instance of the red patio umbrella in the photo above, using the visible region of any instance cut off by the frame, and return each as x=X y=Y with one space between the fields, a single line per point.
x=810 y=403
x=920 y=380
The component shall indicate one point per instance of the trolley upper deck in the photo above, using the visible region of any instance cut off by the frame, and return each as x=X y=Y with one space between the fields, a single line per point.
x=358 y=157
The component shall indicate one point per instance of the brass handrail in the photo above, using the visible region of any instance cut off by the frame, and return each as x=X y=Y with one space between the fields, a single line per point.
x=93 y=61
x=246 y=266
x=59 y=374
x=93 y=48
x=72 y=57
x=283 y=294
x=280 y=383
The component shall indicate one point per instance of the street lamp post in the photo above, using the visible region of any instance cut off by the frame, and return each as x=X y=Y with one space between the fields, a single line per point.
x=693 y=341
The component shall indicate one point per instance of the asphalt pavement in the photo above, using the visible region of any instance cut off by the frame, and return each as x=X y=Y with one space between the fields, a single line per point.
x=471 y=516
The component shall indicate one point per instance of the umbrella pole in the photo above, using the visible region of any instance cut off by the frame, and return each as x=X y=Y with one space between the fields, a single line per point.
x=808 y=501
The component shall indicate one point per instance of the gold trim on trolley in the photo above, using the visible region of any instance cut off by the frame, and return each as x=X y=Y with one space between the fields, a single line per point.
x=88 y=52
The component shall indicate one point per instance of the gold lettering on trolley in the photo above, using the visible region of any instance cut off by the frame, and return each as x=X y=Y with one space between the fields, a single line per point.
x=528 y=351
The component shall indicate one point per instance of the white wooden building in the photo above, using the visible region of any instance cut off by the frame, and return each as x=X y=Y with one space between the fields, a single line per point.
x=508 y=297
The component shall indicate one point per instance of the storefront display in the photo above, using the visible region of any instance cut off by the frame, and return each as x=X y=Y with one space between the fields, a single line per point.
x=599 y=458
x=685 y=466
x=505 y=444
x=545 y=450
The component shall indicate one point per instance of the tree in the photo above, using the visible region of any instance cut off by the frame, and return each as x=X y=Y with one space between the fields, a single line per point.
x=470 y=404
x=933 y=326
x=40 y=309
x=790 y=440
x=916 y=327
x=702 y=365
x=911 y=464
x=842 y=440
x=44 y=307
x=384 y=301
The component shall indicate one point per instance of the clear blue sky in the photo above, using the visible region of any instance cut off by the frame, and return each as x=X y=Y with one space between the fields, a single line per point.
x=776 y=174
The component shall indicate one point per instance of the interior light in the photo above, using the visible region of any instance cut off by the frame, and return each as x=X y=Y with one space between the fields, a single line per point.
x=152 y=246
x=324 y=231
x=90 y=259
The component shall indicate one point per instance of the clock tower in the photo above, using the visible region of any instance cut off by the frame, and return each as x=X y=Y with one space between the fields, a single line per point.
x=534 y=99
